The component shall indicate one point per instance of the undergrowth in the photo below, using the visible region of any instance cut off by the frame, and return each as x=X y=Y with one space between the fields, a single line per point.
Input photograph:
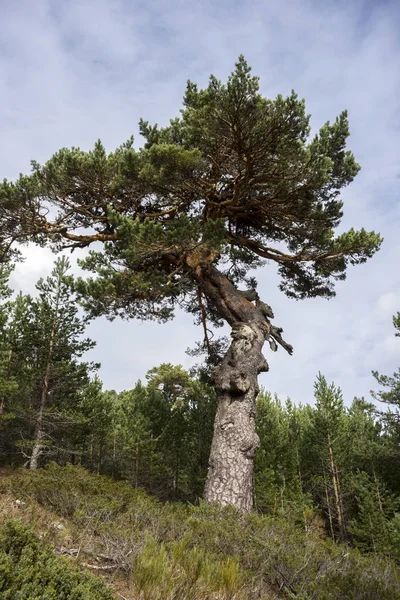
x=182 y=552
x=31 y=571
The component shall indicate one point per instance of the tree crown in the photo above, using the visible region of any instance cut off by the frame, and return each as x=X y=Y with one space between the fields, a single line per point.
x=235 y=181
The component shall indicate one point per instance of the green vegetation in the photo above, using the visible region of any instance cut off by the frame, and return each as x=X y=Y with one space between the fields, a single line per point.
x=30 y=571
x=233 y=183
x=181 y=551
x=327 y=490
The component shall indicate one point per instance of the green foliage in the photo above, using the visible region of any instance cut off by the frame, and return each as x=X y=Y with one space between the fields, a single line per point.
x=176 y=570
x=235 y=179
x=278 y=481
x=30 y=571
x=156 y=436
x=71 y=492
x=376 y=526
x=41 y=374
x=184 y=552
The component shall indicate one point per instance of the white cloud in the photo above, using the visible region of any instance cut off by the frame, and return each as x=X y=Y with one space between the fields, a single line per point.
x=73 y=72
x=389 y=304
x=38 y=263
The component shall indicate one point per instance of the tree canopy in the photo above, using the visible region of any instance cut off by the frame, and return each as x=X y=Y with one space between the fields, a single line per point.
x=234 y=181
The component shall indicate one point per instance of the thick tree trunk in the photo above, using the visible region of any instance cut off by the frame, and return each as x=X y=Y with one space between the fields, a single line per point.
x=235 y=442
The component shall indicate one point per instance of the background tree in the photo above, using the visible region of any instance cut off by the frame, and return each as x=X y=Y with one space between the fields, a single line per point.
x=9 y=384
x=235 y=181
x=278 y=466
x=42 y=375
x=57 y=345
x=18 y=357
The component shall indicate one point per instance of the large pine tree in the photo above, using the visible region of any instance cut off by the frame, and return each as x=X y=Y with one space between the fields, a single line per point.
x=233 y=183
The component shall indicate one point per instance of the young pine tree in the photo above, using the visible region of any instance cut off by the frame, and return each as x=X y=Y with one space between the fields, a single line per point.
x=392 y=394
x=56 y=376
x=327 y=441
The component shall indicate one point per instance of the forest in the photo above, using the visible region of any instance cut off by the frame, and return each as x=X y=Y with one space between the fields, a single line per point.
x=194 y=484
x=325 y=471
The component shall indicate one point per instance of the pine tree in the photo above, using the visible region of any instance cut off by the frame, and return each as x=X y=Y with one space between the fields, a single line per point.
x=132 y=442
x=180 y=409
x=327 y=438
x=232 y=183
x=48 y=345
x=94 y=412
x=278 y=468
x=7 y=384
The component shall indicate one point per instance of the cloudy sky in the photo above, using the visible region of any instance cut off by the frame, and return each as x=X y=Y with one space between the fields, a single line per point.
x=72 y=72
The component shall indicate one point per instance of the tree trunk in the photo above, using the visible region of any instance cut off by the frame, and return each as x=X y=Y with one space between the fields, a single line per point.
x=235 y=442
x=328 y=506
x=39 y=432
x=336 y=490
x=37 y=448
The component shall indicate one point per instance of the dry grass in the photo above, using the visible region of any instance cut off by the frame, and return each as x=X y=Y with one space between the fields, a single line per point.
x=145 y=550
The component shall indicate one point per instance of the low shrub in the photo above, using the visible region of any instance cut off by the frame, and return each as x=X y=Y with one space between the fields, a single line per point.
x=180 y=552
x=31 y=571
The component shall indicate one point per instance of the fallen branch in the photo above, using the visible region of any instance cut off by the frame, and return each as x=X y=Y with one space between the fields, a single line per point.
x=99 y=567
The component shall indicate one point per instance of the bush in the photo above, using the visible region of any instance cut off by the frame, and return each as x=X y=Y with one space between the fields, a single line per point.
x=180 y=552
x=30 y=571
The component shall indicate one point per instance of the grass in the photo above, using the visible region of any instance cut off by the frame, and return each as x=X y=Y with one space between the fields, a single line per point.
x=153 y=551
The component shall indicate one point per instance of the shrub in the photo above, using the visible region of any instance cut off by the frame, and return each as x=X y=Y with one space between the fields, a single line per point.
x=180 y=552
x=30 y=571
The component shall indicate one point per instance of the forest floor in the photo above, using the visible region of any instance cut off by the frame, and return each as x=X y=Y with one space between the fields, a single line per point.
x=63 y=536
x=145 y=550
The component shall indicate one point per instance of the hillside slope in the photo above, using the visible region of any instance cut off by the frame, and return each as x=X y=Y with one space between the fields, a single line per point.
x=143 y=549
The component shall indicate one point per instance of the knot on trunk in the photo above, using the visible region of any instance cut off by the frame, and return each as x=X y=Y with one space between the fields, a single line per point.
x=243 y=337
x=232 y=382
x=239 y=383
x=249 y=445
x=230 y=376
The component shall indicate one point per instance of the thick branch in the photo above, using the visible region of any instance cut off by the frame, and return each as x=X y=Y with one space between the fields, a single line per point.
x=235 y=308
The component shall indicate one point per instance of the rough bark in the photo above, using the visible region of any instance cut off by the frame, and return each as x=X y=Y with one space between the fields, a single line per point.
x=235 y=441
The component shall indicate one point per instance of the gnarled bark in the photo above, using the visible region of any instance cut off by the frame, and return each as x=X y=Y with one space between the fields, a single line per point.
x=235 y=441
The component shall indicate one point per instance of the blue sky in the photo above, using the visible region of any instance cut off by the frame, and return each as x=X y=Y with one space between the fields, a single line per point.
x=72 y=72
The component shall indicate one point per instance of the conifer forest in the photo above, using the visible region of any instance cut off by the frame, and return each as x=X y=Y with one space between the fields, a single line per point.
x=194 y=484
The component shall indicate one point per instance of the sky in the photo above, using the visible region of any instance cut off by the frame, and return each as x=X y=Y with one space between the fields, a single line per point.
x=73 y=72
